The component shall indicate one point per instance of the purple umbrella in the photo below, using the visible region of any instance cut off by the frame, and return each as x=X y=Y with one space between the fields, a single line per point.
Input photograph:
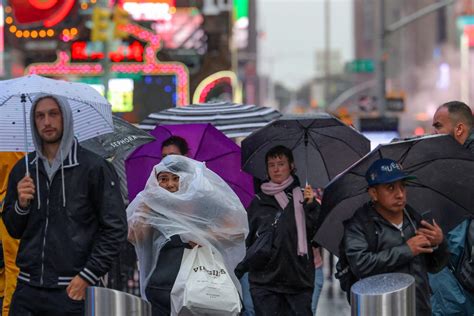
x=206 y=143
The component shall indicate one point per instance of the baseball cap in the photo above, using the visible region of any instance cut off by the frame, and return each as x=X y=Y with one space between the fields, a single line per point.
x=386 y=171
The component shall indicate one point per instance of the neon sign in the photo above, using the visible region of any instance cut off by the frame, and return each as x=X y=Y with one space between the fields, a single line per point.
x=150 y=65
x=148 y=11
x=208 y=84
x=36 y=19
x=46 y=12
x=131 y=52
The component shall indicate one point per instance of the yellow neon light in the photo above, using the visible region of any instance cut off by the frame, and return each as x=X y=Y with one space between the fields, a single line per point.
x=218 y=75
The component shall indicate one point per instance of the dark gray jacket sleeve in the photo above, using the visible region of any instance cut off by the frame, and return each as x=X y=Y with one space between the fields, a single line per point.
x=364 y=262
x=112 y=233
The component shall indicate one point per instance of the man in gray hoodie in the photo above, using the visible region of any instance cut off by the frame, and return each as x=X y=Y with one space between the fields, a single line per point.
x=68 y=213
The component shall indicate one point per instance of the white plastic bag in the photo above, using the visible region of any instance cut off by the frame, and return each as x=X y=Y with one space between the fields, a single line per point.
x=203 y=286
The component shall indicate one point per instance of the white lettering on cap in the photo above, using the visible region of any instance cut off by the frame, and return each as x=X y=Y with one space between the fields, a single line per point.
x=391 y=167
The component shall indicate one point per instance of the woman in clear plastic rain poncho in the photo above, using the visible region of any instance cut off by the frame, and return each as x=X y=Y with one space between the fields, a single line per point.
x=183 y=204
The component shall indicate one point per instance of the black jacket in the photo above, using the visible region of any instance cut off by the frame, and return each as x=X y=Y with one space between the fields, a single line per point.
x=57 y=242
x=286 y=272
x=469 y=142
x=393 y=253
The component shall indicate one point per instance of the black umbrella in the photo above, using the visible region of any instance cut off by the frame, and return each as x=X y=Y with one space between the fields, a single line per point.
x=117 y=145
x=322 y=146
x=444 y=173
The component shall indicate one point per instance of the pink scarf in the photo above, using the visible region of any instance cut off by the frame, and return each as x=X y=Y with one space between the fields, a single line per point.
x=277 y=190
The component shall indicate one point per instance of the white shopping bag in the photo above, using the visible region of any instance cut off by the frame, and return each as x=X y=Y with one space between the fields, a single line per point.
x=203 y=286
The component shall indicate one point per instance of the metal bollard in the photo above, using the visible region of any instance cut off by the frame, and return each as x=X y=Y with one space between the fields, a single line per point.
x=390 y=294
x=106 y=302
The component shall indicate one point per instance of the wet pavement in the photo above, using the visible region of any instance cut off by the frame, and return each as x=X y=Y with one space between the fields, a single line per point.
x=332 y=301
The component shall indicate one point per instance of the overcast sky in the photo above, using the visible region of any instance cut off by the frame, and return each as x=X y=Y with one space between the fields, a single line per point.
x=293 y=30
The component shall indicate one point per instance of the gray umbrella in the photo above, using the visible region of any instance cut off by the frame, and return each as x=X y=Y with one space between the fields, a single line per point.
x=118 y=145
x=234 y=120
x=121 y=141
x=444 y=172
x=322 y=146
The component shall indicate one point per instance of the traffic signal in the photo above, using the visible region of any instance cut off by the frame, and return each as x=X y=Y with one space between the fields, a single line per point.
x=100 y=24
x=121 y=19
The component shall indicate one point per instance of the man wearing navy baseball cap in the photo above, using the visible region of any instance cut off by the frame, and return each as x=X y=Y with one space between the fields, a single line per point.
x=386 y=235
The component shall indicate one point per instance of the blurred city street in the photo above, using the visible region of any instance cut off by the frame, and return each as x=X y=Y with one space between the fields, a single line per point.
x=332 y=300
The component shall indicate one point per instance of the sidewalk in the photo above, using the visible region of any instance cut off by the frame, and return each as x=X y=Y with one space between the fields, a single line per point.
x=332 y=301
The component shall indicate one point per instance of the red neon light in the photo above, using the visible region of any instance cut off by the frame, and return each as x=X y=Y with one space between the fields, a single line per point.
x=208 y=88
x=43 y=4
x=78 y=50
x=60 y=14
x=134 y=52
x=47 y=12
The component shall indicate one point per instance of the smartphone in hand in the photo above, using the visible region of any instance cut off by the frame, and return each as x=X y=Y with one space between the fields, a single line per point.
x=428 y=216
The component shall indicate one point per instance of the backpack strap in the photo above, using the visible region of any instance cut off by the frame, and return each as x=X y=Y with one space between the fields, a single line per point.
x=344 y=274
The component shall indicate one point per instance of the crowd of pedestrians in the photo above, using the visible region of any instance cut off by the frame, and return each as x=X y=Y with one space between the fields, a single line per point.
x=64 y=224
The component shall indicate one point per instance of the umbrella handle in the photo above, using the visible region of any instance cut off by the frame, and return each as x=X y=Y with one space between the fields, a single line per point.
x=23 y=102
x=306 y=155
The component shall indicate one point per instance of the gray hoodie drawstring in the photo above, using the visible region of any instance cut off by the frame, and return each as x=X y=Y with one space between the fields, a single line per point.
x=62 y=179
x=37 y=184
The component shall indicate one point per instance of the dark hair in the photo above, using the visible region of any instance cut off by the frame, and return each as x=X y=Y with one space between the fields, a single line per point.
x=279 y=151
x=178 y=142
x=459 y=112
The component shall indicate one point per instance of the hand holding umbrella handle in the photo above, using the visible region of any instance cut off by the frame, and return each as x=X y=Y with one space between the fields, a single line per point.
x=26 y=192
x=308 y=194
